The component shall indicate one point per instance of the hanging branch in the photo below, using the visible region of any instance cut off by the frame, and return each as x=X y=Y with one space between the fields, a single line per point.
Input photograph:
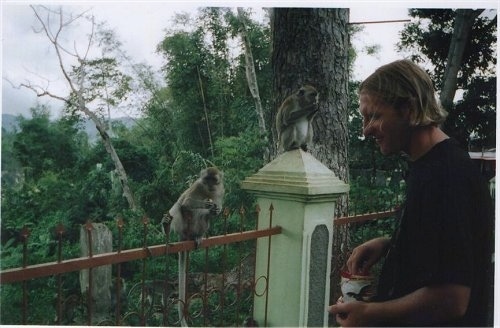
x=205 y=111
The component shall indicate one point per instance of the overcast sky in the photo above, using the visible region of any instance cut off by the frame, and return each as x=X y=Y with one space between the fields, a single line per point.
x=140 y=25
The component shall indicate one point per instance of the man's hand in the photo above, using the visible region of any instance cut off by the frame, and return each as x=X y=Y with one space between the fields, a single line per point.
x=431 y=305
x=352 y=314
x=366 y=255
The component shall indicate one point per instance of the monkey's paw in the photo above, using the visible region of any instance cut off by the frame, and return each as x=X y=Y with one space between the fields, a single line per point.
x=165 y=223
x=167 y=218
x=212 y=207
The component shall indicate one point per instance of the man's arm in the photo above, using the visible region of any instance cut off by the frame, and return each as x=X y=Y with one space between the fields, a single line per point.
x=367 y=254
x=427 y=305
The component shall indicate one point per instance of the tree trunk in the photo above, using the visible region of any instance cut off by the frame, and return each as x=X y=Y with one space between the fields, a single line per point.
x=77 y=88
x=461 y=35
x=120 y=170
x=310 y=46
x=252 y=79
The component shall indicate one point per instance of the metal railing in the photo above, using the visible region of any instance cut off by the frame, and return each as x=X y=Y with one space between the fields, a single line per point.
x=217 y=298
x=221 y=298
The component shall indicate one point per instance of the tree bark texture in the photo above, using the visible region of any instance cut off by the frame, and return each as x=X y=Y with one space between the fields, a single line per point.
x=310 y=46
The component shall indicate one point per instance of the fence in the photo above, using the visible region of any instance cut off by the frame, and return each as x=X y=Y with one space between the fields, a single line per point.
x=222 y=290
x=152 y=300
x=215 y=298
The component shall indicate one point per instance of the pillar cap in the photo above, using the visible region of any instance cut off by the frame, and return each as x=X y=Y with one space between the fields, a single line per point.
x=296 y=172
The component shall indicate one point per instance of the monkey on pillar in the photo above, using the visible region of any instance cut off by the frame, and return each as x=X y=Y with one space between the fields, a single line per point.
x=294 y=119
x=190 y=218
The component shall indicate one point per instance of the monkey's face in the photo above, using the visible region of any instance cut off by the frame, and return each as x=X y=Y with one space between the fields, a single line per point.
x=212 y=178
x=211 y=181
x=308 y=97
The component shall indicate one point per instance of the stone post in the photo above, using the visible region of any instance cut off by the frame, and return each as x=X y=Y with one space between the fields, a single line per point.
x=302 y=192
x=102 y=242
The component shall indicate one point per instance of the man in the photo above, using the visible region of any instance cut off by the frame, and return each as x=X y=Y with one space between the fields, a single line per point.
x=438 y=265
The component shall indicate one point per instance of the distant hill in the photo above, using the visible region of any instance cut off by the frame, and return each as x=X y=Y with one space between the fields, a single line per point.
x=10 y=124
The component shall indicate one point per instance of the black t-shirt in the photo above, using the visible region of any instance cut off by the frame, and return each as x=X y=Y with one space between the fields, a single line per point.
x=445 y=233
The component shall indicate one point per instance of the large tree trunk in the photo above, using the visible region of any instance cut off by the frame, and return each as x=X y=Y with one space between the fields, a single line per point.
x=310 y=46
x=461 y=36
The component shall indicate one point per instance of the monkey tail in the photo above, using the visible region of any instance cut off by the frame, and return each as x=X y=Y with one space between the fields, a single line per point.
x=182 y=288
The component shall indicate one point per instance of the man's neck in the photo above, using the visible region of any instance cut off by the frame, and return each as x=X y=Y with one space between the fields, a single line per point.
x=423 y=139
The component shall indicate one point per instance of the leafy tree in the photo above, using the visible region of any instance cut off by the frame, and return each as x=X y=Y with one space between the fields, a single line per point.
x=197 y=67
x=41 y=145
x=209 y=95
x=428 y=40
x=200 y=58
x=242 y=116
x=11 y=168
x=184 y=51
x=94 y=75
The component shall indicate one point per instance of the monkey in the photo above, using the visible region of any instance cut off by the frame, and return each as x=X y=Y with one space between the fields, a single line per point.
x=197 y=204
x=294 y=119
x=190 y=218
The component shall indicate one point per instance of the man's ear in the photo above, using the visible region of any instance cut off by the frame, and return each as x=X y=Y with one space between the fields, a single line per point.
x=408 y=114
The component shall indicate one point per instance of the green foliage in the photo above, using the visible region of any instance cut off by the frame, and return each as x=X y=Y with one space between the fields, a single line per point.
x=208 y=92
x=105 y=85
x=427 y=39
x=475 y=114
x=239 y=157
x=41 y=145
x=383 y=194
x=205 y=116
x=11 y=168
x=68 y=181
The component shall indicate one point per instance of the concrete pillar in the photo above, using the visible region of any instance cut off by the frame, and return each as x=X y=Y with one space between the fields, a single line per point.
x=102 y=242
x=302 y=192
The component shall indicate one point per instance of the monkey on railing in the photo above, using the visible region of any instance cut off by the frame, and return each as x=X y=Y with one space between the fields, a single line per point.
x=190 y=218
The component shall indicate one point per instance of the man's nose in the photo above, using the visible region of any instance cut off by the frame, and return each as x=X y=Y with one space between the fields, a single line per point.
x=367 y=129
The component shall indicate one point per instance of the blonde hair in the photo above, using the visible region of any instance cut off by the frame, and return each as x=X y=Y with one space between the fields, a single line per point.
x=402 y=84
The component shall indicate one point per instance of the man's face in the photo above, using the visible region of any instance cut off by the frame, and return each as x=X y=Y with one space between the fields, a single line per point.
x=389 y=127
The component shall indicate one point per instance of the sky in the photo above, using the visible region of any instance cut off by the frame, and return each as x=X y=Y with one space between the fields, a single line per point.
x=141 y=25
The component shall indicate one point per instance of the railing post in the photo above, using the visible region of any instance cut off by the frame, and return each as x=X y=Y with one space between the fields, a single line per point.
x=302 y=192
